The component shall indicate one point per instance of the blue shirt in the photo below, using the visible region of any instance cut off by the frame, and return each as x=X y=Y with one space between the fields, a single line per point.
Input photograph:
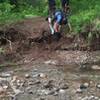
x=58 y=16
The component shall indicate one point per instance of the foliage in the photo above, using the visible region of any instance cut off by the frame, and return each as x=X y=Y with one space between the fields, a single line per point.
x=83 y=12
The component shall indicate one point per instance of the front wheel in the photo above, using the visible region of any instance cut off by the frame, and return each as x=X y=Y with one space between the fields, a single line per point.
x=57 y=36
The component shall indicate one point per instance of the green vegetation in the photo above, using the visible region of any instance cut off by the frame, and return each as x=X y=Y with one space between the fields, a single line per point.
x=1 y=50
x=83 y=12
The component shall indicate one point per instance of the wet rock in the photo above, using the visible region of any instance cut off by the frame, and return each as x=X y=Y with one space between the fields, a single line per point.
x=30 y=92
x=30 y=83
x=5 y=87
x=64 y=86
x=98 y=86
x=85 y=98
x=55 y=94
x=95 y=67
x=42 y=75
x=17 y=91
x=96 y=98
x=37 y=82
x=20 y=83
x=35 y=70
x=84 y=86
x=53 y=62
x=6 y=75
x=14 y=79
x=42 y=98
x=79 y=91
x=43 y=92
x=91 y=97
x=27 y=76
x=51 y=92
x=61 y=91
x=1 y=90
x=49 y=84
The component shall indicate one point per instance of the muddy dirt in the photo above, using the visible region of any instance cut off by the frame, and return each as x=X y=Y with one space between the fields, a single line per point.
x=35 y=67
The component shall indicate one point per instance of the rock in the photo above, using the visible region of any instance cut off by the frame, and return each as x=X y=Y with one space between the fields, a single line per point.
x=30 y=83
x=79 y=91
x=30 y=92
x=95 y=67
x=27 y=75
x=14 y=79
x=53 y=62
x=91 y=97
x=55 y=94
x=84 y=86
x=35 y=70
x=42 y=75
x=85 y=98
x=1 y=90
x=61 y=91
x=51 y=93
x=49 y=84
x=96 y=98
x=6 y=75
x=43 y=92
x=64 y=86
x=42 y=98
x=37 y=82
x=98 y=86
x=5 y=87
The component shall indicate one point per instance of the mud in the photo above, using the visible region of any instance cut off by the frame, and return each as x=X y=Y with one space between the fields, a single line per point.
x=35 y=67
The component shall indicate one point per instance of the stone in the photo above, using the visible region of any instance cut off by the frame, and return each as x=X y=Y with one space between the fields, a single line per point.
x=42 y=98
x=84 y=86
x=27 y=75
x=53 y=62
x=55 y=94
x=95 y=67
x=42 y=75
x=49 y=84
x=85 y=98
x=79 y=91
x=30 y=92
x=5 y=87
x=30 y=83
x=64 y=86
x=61 y=91
x=43 y=92
x=14 y=79
x=37 y=82
x=96 y=98
x=6 y=75
x=98 y=86
x=1 y=90
x=91 y=97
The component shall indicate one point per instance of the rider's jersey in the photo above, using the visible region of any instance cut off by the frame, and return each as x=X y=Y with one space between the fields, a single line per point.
x=58 y=16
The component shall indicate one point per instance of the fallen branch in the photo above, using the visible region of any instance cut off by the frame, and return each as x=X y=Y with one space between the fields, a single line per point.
x=10 y=43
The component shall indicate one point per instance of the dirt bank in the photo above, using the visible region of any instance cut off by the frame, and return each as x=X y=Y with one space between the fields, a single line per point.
x=35 y=67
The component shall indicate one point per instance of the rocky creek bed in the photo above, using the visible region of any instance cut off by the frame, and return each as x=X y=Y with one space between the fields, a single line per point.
x=50 y=80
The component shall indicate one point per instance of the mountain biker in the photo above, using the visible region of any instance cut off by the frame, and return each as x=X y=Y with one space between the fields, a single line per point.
x=58 y=17
x=58 y=20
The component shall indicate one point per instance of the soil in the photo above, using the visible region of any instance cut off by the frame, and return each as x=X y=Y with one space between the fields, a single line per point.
x=47 y=69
